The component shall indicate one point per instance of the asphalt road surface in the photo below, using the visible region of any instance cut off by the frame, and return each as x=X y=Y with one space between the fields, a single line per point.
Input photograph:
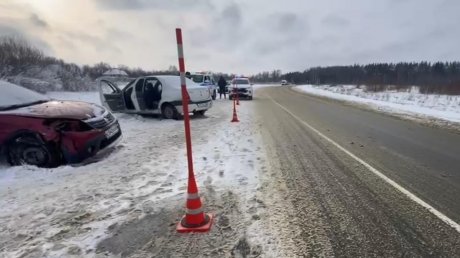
x=326 y=156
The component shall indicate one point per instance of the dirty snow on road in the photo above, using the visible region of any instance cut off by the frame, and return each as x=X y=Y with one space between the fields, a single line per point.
x=409 y=103
x=127 y=201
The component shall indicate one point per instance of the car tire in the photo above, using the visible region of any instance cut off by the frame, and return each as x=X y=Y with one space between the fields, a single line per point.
x=28 y=150
x=230 y=97
x=169 y=112
x=214 y=95
x=250 y=97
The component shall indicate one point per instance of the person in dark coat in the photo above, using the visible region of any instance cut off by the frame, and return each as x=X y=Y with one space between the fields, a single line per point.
x=222 y=83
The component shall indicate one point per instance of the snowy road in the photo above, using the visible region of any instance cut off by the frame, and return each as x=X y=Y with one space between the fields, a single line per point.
x=341 y=207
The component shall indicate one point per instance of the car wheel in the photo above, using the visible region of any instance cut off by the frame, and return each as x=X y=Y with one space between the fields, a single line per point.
x=28 y=150
x=230 y=97
x=250 y=97
x=170 y=112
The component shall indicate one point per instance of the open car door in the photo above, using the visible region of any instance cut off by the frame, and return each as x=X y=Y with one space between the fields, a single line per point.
x=111 y=96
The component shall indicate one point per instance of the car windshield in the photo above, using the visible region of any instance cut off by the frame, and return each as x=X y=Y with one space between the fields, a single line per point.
x=129 y=84
x=198 y=78
x=240 y=81
x=14 y=96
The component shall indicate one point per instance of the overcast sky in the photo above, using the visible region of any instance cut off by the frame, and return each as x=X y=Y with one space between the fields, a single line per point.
x=240 y=36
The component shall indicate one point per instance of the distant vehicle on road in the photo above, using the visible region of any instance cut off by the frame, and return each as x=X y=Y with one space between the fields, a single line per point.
x=36 y=130
x=242 y=87
x=154 y=95
x=284 y=82
x=206 y=79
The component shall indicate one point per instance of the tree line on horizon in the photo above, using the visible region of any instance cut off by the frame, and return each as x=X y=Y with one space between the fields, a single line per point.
x=26 y=65
x=437 y=77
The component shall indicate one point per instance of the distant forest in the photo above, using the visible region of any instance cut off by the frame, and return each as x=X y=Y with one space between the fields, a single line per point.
x=439 y=77
x=23 y=64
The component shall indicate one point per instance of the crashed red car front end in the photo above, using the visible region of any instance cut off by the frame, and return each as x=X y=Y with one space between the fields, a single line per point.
x=49 y=133
x=102 y=132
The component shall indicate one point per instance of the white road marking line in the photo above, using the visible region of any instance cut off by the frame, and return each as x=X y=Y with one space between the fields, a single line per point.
x=411 y=196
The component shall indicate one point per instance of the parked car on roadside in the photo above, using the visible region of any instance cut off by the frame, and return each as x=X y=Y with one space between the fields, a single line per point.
x=242 y=87
x=205 y=79
x=154 y=95
x=37 y=130
x=284 y=82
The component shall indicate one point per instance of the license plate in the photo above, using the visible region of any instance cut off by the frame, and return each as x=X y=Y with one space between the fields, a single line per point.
x=112 y=131
x=202 y=105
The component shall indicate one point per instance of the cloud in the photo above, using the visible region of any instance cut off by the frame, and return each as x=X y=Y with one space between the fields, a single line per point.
x=98 y=43
x=120 y=5
x=37 y=21
x=335 y=21
x=231 y=15
x=239 y=35
x=223 y=31
x=10 y=31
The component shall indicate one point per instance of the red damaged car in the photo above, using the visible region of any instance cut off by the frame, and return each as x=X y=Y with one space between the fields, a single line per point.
x=38 y=131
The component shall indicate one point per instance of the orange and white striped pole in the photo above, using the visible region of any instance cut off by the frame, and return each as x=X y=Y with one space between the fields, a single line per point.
x=195 y=220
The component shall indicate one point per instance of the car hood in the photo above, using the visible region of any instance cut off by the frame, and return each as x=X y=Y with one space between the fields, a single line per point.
x=60 y=109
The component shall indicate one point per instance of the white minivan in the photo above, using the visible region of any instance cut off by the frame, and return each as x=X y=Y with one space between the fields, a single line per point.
x=156 y=94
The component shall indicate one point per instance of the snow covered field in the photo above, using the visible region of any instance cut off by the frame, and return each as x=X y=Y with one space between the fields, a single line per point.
x=412 y=103
x=129 y=200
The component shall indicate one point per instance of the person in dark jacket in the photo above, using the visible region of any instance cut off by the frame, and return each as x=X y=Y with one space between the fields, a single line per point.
x=222 y=83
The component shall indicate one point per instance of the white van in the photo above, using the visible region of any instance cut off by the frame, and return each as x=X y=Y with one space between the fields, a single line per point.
x=154 y=95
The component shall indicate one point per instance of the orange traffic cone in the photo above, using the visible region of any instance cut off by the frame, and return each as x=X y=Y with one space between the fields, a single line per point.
x=195 y=220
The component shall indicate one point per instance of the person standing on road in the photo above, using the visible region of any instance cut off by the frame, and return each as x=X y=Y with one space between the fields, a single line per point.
x=222 y=83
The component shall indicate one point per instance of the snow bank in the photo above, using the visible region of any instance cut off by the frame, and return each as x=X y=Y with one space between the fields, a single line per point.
x=410 y=103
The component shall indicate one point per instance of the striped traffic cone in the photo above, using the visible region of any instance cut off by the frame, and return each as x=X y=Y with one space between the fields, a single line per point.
x=195 y=220
x=235 y=116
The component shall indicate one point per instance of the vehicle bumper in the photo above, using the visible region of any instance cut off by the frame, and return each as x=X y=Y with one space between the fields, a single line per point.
x=241 y=94
x=78 y=146
x=195 y=106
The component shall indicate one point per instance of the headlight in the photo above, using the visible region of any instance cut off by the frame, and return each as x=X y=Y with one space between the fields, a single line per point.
x=69 y=126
